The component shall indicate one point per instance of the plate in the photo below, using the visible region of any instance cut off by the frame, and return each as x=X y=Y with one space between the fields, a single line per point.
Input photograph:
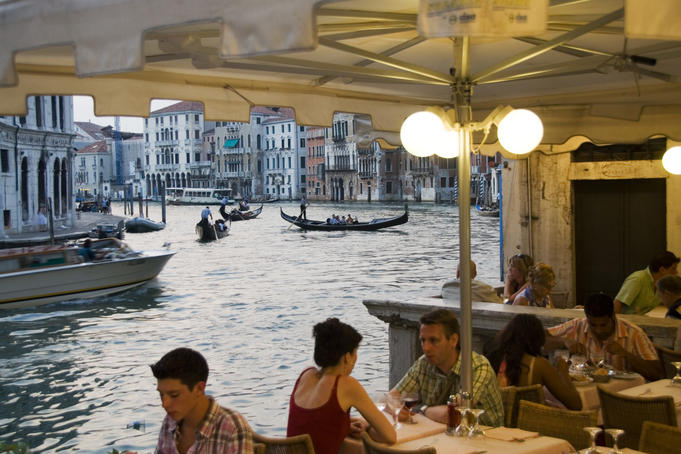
x=581 y=380
x=625 y=375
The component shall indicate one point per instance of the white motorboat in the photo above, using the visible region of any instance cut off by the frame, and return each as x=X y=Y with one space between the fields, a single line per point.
x=33 y=276
x=198 y=196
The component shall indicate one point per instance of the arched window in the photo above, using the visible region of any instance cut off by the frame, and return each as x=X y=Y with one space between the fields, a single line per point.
x=24 y=189
x=42 y=190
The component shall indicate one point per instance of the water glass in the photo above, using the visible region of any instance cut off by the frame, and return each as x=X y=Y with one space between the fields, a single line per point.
x=380 y=399
x=463 y=429
x=615 y=434
x=676 y=380
x=593 y=431
x=476 y=429
x=395 y=404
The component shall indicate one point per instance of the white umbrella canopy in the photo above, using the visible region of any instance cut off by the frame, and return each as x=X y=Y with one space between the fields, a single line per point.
x=320 y=57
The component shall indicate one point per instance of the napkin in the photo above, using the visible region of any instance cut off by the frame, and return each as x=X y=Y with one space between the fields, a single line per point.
x=510 y=434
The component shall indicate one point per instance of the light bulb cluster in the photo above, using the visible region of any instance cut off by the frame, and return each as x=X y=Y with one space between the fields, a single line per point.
x=431 y=132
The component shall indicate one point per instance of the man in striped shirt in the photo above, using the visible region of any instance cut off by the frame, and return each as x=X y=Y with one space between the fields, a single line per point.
x=602 y=334
x=437 y=374
x=194 y=422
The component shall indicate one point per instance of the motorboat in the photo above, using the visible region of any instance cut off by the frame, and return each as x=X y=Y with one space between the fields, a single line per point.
x=198 y=196
x=108 y=231
x=37 y=275
x=139 y=224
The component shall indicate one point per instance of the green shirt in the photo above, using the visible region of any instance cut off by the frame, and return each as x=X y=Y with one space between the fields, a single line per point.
x=434 y=387
x=638 y=293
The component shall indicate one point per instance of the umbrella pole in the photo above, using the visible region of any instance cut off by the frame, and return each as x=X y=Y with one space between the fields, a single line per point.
x=462 y=103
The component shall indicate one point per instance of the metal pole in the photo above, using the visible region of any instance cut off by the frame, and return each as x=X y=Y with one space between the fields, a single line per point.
x=163 y=202
x=462 y=98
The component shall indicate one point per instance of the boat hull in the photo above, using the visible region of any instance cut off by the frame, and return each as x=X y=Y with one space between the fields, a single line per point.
x=143 y=225
x=375 y=224
x=40 y=286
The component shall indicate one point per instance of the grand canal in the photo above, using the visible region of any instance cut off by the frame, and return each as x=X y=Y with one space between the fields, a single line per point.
x=73 y=375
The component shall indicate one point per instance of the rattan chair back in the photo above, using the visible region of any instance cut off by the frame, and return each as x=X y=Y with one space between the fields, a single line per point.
x=258 y=448
x=557 y=422
x=299 y=444
x=659 y=438
x=373 y=447
x=629 y=412
x=511 y=397
x=666 y=357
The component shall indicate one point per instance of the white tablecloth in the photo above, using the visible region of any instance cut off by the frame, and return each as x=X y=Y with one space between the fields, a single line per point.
x=589 y=394
x=658 y=388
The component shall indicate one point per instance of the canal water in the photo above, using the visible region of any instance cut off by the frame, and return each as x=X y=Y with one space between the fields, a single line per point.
x=75 y=375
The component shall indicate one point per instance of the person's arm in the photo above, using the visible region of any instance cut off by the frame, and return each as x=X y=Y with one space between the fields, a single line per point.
x=618 y=306
x=521 y=301
x=351 y=393
x=651 y=369
x=513 y=296
x=558 y=382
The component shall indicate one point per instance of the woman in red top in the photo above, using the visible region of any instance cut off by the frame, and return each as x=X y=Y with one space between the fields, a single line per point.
x=321 y=399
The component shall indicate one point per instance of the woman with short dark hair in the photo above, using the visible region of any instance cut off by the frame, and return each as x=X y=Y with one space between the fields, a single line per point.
x=321 y=398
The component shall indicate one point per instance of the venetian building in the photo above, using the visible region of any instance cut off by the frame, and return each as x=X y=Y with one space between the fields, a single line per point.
x=341 y=158
x=173 y=147
x=315 y=172
x=281 y=155
x=36 y=162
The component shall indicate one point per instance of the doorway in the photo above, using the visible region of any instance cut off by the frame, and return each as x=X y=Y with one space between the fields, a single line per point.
x=619 y=226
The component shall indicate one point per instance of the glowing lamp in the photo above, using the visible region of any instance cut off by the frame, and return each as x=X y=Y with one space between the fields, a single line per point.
x=449 y=146
x=422 y=133
x=671 y=160
x=520 y=131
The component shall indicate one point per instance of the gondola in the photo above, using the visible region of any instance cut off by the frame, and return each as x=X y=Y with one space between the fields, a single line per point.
x=212 y=232
x=236 y=215
x=374 y=224
x=143 y=225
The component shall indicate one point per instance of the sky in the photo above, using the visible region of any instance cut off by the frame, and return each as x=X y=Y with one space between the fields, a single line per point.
x=83 y=110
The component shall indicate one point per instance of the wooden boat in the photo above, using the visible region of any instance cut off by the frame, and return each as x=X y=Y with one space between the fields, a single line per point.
x=374 y=224
x=37 y=275
x=143 y=225
x=236 y=215
x=212 y=232
x=266 y=200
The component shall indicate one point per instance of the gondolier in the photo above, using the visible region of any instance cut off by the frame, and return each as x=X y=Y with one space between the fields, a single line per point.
x=303 y=207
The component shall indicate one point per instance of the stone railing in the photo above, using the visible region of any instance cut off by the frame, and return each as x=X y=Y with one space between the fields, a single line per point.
x=488 y=319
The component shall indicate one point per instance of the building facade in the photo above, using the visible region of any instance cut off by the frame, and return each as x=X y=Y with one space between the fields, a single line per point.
x=36 y=153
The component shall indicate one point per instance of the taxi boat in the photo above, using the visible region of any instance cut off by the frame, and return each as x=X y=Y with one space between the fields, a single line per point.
x=37 y=275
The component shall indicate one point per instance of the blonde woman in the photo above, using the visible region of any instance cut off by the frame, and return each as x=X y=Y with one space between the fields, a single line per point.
x=516 y=277
x=541 y=280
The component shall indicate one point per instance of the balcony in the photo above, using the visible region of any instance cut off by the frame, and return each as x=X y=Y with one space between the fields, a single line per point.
x=200 y=165
x=166 y=167
x=167 y=143
x=365 y=152
x=343 y=167
x=338 y=138
x=367 y=175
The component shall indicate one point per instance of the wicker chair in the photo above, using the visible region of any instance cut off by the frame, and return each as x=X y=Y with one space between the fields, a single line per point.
x=557 y=422
x=258 y=448
x=666 y=357
x=511 y=397
x=628 y=412
x=659 y=438
x=300 y=444
x=373 y=447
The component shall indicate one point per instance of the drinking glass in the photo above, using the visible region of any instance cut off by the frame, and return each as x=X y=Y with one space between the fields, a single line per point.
x=615 y=434
x=476 y=429
x=463 y=429
x=676 y=380
x=395 y=403
x=380 y=399
x=593 y=431
x=410 y=400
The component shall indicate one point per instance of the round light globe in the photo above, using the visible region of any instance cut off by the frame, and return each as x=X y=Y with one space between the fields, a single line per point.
x=421 y=133
x=671 y=160
x=520 y=131
x=449 y=147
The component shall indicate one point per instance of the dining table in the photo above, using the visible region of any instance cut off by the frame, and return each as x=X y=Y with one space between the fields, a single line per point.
x=658 y=388
x=497 y=440
x=588 y=391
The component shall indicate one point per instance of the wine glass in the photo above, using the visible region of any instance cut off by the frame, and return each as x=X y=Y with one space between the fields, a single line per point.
x=676 y=380
x=476 y=429
x=593 y=431
x=463 y=428
x=380 y=399
x=395 y=403
x=410 y=400
x=615 y=434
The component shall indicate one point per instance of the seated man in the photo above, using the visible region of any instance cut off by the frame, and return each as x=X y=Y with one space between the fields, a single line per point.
x=480 y=291
x=437 y=374
x=669 y=292
x=622 y=344
x=637 y=295
x=194 y=421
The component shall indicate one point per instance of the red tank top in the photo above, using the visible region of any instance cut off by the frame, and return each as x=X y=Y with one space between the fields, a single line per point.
x=327 y=425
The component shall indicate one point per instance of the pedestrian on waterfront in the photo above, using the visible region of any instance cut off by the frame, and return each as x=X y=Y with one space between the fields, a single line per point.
x=516 y=356
x=516 y=277
x=541 y=281
x=669 y=293
x=322 y=396
x=42 y=220
x=437 y=373
x=194 y=421
x=303 y=207
x=602 y=335
x=637 y=294
x=480 y=291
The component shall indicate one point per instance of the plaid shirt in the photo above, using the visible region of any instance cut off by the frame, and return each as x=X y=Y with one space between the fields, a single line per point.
x=629 y=336
x=434 y=387
x=222 y=431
